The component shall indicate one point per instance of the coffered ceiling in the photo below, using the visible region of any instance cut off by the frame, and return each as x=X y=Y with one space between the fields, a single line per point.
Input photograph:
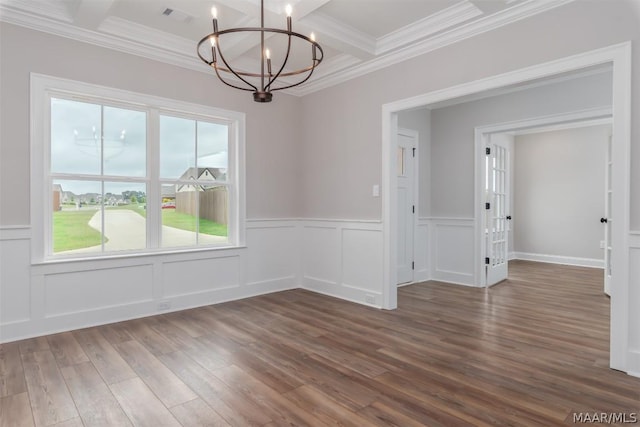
x=357 y=36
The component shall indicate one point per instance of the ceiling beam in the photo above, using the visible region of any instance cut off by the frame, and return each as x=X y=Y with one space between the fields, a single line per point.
x=340 y=36
x=91 y=13
x=275 y=12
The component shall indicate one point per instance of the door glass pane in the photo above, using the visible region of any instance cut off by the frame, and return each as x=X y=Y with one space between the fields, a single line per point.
x=125 y=224
x=213 y=216
x=213 y=151
x=77 y=218
x=125 y=141
x=177 y=147
x=75 y=137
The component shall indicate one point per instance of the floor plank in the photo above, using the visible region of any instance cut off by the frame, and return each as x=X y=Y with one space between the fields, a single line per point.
x=34 y=344
x=50 y=399
x=92 y=397
x=66 y=349
x=104 y=356
x=11 y=372
x=15 y=411
x=196 y=413
x=164 y=384
x=235 y=408
x=141 y=406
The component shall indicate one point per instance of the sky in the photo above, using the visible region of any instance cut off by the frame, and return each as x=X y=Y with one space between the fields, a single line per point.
x=76 y=128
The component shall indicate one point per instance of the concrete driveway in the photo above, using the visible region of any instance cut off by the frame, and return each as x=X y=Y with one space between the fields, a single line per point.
x=126 y=230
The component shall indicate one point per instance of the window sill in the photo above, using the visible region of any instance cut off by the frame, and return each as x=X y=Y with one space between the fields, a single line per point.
x=168 y=253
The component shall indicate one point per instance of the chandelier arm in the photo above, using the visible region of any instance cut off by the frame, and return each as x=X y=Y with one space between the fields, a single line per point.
x=215 y=67
x=286 y=59
x=310 y=69
x=229 y=67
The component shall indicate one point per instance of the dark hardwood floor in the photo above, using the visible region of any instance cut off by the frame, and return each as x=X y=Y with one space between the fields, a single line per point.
x=529 y=351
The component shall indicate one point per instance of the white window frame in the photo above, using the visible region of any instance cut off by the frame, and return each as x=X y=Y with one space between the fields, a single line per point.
x=43 y=88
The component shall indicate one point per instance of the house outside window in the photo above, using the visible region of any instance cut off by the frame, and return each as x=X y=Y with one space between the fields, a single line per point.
x=119 y=173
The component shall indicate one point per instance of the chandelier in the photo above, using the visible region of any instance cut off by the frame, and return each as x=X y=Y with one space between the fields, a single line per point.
x=264 y=82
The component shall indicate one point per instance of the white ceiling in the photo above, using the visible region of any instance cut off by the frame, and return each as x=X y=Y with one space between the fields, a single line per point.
x=358 y=36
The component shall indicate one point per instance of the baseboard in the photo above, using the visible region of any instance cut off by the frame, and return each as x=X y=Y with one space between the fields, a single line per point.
x=341 y=291
x=633 y=363
x=453 y=277
x=557 y=259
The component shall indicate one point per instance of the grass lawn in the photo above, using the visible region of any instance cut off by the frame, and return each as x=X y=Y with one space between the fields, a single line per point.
x=71 y=230
x=174 y=219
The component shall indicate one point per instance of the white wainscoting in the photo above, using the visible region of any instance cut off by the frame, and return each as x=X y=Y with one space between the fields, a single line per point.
x=53 y=297
x=633 y=357
x=452 y=250
x=422 y=250
x=558 y=259
x=343 y=259
x=15 y=293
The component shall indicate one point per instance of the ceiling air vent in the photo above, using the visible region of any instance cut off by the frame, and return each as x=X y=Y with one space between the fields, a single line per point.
x=177 y=15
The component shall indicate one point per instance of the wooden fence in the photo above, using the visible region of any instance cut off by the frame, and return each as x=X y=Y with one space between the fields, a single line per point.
x=214 y=204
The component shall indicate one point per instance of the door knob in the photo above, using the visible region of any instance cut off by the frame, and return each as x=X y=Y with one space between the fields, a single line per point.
x=509 y=217
x=604 y=220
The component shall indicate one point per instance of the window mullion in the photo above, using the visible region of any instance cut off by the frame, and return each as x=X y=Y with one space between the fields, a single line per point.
x=196 y=187
x=102 y=216
x=154 y=190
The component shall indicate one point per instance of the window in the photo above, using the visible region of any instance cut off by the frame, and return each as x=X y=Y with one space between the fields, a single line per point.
x=121 y=173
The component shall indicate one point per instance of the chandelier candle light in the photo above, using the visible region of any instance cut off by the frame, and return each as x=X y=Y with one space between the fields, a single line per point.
x=262 y=91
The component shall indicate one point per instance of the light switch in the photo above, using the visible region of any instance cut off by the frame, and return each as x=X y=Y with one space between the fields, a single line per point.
x=376 y=190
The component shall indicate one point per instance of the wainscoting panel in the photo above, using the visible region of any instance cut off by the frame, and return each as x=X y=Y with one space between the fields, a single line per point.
x=362 y=259
x=422 y=253
x=15 y=294
x=453 y=250
x=82 y=291
x=200 y=276
x=343 y=259
x=321 y=252
x=272 y=252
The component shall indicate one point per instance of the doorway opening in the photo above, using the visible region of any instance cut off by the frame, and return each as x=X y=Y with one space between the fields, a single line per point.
x=618 y=57
x=549 y=233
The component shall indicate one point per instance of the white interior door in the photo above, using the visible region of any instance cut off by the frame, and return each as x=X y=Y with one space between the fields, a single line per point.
x=407 y=141
x=496 y=206
x=606 y=220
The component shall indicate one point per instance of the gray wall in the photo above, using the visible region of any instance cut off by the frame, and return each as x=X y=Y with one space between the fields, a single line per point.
x=272 y=151
x=420 y=121
x=452 y=137
x=343 y=123
x=559 y=192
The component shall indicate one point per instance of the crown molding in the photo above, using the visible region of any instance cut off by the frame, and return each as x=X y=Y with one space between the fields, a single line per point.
x=454 y=15
x=57 y=11
x=155 y=52
x=340 y=31
x=121 y=28
x=516 y=13
x=135 y=39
